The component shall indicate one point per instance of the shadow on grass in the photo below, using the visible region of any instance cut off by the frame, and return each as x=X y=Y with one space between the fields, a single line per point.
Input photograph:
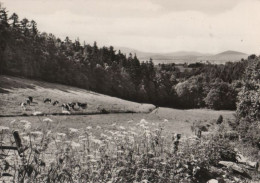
x=12 y=83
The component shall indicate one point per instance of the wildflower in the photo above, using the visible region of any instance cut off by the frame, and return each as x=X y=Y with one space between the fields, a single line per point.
x=84 y=139
x=48 y=133
x=97 y=141
x=73 y=130
x=98 y=127
x=4 y=128
x=89 y=127
x=47 y=120
x=26 y=138
x=121 y=127
x=143 y=126
x=143 y=121
x=75 y=145
x=27 y=126
x=36 y=113
x=103 y=135
x=130 y=121
x=165 y=121
x=114 y=124
x=61 y=135
x=93 y=161
x=90 y=156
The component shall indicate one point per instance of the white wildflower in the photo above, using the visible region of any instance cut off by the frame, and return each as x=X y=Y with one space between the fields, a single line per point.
x=89 y=127
x=165 y=121
x=36 y=113
x=114 y=124
x=98 y=127
x=26 y=138
x=73 y=130
x=27 y=126
x=47 y=120
x=121 y=127
x=61 y=135
x=4 y=128
x=75 y=145
x=143 y=121
x=84 y=139
x=65 y=112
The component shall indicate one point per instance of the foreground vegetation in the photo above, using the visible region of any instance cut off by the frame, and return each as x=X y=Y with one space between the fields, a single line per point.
x=144 y=152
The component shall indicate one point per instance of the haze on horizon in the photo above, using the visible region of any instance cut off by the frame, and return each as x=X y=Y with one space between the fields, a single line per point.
x=149 y=25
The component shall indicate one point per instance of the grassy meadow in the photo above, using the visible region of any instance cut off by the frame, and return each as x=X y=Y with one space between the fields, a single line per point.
x=117 y=147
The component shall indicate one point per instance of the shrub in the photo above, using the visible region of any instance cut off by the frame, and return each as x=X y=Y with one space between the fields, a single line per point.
x=220 y=119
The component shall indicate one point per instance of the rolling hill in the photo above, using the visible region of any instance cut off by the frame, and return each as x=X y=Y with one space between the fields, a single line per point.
x=14 y=90
x=221 y=58
x=185 y=56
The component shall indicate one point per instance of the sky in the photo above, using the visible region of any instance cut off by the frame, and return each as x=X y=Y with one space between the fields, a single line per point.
x=206 y=26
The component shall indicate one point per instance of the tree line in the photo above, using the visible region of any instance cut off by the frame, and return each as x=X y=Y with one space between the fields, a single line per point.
x=27 y=52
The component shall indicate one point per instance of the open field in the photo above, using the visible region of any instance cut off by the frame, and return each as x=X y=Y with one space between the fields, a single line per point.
x=102 y=144
x=15 y=90
x=179 y=121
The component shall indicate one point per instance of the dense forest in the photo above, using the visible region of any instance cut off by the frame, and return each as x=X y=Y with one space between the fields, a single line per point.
x=27 y=52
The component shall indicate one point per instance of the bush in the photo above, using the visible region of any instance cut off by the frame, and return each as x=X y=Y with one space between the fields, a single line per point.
x=220 y=119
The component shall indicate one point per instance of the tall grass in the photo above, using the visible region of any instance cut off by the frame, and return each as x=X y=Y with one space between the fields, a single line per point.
x=143 y=152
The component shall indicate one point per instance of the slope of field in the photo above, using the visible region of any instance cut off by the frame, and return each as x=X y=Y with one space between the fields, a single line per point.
x=15 y=90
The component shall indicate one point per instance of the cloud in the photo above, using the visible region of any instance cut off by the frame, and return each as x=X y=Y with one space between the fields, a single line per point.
x=149 y=25
x=204 y=6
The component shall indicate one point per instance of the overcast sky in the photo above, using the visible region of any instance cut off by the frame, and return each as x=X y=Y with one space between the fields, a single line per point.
x=208 y=26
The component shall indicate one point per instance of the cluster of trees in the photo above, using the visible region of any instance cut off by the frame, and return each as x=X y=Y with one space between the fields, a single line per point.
x=248 y=106
x=24 y=51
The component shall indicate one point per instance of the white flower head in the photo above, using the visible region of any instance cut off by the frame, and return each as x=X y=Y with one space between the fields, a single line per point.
x=75 y=145
x=89 y=127
x=47 y=120
x=114 y=124
x=4 y=129
x=121 y=128
x=143 y=121
x=26 y=124
x=165 y=121
x=73 y=130
x=36 y=113
x=61 y=135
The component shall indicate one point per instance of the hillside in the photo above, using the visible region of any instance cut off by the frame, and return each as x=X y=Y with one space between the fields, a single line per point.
x=221 y=58
x=15 y=90
x=166 y=58
x=185 y=56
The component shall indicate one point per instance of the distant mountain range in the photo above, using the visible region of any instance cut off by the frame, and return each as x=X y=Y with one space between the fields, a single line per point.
x=185 y=56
